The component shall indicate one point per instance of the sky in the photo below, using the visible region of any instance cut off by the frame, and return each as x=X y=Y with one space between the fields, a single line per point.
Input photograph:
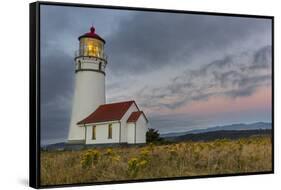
x=185 y=71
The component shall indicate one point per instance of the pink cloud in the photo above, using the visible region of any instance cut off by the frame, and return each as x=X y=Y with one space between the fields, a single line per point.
x=261 y=99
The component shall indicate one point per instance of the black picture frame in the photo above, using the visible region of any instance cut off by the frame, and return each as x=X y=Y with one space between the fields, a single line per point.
x=34 y=97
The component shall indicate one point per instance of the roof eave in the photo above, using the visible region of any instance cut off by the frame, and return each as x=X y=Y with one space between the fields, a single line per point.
x=95 y=37
x=97 y=123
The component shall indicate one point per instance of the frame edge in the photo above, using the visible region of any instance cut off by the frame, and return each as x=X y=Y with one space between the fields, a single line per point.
x=34 y=176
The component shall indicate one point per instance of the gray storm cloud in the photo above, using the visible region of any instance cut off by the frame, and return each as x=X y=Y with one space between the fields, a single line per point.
x=149 y=41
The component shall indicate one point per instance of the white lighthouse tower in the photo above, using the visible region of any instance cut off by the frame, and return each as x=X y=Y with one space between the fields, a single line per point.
x=89 y=93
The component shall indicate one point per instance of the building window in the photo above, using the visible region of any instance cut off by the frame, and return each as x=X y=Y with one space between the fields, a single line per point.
x=94 y=132
x=110 y=131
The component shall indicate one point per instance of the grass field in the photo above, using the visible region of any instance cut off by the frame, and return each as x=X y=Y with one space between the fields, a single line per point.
x=157 y=161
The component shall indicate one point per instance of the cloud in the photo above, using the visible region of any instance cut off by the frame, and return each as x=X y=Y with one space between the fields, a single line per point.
x=150 y=41
x=56 y=93
x=61 y=26
x=57 y=70
x=232 y=76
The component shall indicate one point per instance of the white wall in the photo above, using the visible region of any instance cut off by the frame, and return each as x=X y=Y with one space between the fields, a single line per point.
x=88 y=95
x=137 y=131
x=102 y=134
x=123 y=121
x=141 y=128
x=131 y=133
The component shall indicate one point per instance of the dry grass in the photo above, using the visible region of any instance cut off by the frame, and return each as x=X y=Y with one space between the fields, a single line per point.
x=154 y=161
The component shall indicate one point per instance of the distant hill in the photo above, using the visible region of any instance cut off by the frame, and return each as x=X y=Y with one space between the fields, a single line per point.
x=233 y=127
x=224 y=134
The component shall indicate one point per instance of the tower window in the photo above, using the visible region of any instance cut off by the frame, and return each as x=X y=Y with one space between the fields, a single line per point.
x=94 y=132
x=110 y=131
x=79 y=65
x=100 y=66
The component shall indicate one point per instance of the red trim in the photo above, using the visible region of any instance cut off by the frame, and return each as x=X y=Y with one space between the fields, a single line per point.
x=92 y=34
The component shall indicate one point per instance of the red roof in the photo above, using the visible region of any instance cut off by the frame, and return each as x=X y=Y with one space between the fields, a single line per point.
x=108 y=112
x=135 y=116
x=92 y=34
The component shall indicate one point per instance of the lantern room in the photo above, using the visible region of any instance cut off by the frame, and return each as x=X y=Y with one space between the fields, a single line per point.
x=91 y=45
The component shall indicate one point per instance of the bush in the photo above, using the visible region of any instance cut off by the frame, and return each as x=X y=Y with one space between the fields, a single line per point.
x=152 y=135
x=135 y=165
x=89 y=158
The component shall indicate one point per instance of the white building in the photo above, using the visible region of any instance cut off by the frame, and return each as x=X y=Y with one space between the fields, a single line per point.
x=93 y=121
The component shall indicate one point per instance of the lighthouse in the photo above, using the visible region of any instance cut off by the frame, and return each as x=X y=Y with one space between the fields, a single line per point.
x=89 y=92
x=93 y=121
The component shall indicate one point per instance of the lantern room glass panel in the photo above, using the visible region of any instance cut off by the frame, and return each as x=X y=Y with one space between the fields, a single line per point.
x=91 y=47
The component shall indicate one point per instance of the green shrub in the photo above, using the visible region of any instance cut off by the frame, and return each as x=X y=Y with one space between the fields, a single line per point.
x=89 y=158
